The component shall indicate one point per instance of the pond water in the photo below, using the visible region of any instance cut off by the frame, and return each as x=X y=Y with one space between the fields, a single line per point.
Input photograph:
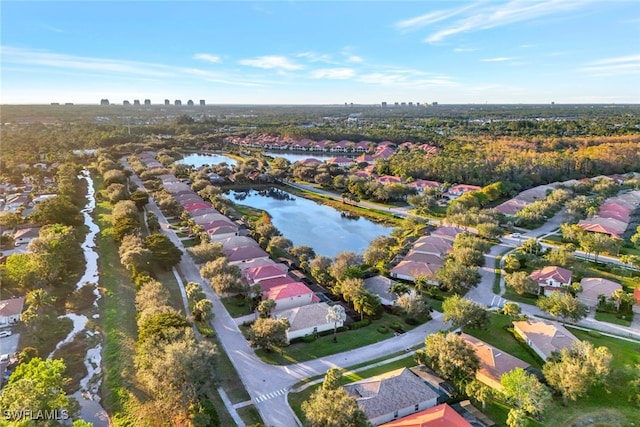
x=308 y=223
x=197 y=160
x=297 y=156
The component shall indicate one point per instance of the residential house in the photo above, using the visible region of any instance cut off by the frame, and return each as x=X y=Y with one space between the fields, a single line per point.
x=343 y=146
x=383 y=152
x=10 y=310
x=434 y=245
x=381 y=286
x=460 y=189
x=392 y=395
x=544 y=336
x=288 y=295
x=593 y=287
x=310 y=161
x=388 y=179
x=610 y=226
x=256 y=274
x=343 y=162
x=493 y=362
x=362 y=147
x=307 y=320
x=439 y=416
x=365 y=158
x=25 y=235
x=447 y=232
x=422 y=184
x=551 y=278
x=512 y=207
x=411 y=270
x=245 y=253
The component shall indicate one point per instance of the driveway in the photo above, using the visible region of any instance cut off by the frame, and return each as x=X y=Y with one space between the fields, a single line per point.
x=9 y=345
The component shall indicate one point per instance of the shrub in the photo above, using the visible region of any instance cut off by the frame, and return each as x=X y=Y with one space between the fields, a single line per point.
x=360 y=324
x=395 y=325
x=383 y=329
x=308 y=338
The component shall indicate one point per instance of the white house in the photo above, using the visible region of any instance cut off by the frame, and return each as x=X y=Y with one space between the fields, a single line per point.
x=307 y=320
x=392 y=395
x=10 y=310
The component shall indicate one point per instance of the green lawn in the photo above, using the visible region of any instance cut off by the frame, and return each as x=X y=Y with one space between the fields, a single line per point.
x=324 y=346
x=249 y=415
x=607 y=406
x=614 y=318
x=236 y=306
x=524 y=298
x=498 y=336
x=169 y=282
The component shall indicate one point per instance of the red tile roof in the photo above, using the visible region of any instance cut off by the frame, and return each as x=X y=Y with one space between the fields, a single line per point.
x=288 y=290
x=438 y=416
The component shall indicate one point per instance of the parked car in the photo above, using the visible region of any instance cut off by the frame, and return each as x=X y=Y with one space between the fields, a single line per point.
x=516 y=235
x=5 y=334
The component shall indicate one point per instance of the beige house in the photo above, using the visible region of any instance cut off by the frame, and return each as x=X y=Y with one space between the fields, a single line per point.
x=10 y=310
x=392 y=395
x=544 y=336
x=493 y=362
x=306 y=320
x=593 y=287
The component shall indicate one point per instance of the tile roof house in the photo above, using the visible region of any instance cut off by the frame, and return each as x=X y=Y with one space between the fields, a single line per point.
x=10 y=310
x=433 y=245
x=447 y=232
x=306 y=320
x=392 y=395
x=256 y=274
x=593 y=287
x=410 y=270
x=610 y=226
x=460 y=189
x=381 y=286
x=25 y=235
x=244 y=254
x=438 y=416
x=544 y=336
x=423 y=184
x=493 y=362
x=343 y=162
x=289 y=295
x=388 y=179
x=551 y=278
x=512 y=206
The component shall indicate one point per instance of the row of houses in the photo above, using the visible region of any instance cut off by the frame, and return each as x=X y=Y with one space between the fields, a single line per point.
x=512 y=206
x=614 y=215
x=293 y=298
x=426 y=255
x=270 y=142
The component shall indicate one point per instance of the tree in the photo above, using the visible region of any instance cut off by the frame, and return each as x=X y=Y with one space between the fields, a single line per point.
x=511 y=309
x=621 y=299
x=531 y=246
x=456 y=277
x=332 y=379
x=57 y=210
x=449 y=355
x=224 y=278
x=201 y=310
x=39 y=307
x=140 y=198
x=414 y=305
x=266 y=333
x=36 y=385
x=206 y=251
x=517 y=418
x=280 y=242
x=351 y=288
x=464 y=313
x=576 y=369
x=341 y=263
x=266 y=307
x=563 y=305
x=480 y=392
x=163 y=251
x=525 y=392
x=336 y=314
x=319 y=267
x=330 y=408
x=367 y=303
x=521 y=283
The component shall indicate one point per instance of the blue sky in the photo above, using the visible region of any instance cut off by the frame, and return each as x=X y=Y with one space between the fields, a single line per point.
x=321 y=52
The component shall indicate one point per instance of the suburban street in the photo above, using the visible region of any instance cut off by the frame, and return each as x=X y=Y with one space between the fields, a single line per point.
x=268 y=385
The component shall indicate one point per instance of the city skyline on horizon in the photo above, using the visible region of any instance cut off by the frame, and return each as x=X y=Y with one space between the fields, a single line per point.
x=322 y=53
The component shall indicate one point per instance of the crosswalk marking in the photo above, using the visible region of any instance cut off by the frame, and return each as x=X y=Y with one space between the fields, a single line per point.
x=271 y=395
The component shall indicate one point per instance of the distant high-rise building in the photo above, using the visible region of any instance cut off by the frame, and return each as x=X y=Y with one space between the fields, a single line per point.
x=384 y=103
x=55 y=103
x=435 y=104
x=417 y=104
x=167 y=102
x=410 y=104
x=396 y=104
x=403 y=104
x=147 y=102
x=104 y=102
x=177 y=103
x=202 y=103
x=126 y=102
x=136 y=102
x=68 y=103
x=190 y=103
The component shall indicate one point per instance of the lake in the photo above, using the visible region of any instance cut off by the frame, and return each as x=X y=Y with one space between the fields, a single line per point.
x=301 y=155
x=197 y=160
x=308 y=223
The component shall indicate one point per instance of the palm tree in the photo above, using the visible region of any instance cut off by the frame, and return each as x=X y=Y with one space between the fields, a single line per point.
x=202 y=310
x=266 y=307
x=336 y=314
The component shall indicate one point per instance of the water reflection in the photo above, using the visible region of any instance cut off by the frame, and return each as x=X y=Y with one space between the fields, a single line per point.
x=304 y=222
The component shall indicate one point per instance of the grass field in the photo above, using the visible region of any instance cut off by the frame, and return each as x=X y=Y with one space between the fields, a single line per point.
x=236 y=306
x=324 y=345
x=613 y=318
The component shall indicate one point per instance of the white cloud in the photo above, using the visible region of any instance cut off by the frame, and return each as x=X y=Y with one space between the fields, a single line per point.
x=208 y=57
x=315 y=57
x=430 y=18
x=498 y=59
x=464 y=49
x=355 y=58
x=504 y=14
x=333 y=73
x=620 y=65
x=272 y=62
